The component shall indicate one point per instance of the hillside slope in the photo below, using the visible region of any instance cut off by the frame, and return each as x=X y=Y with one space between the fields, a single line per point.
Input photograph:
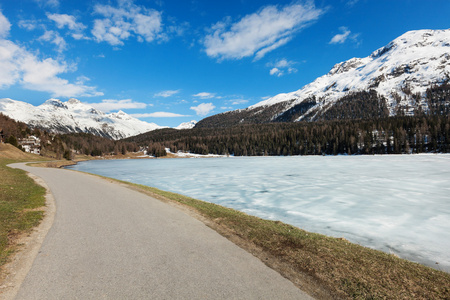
x=73 y=116
x=392 y=81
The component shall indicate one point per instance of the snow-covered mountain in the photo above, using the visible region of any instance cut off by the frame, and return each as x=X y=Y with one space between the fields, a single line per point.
x=399 y=73
x=187 y=125
x=74 y=116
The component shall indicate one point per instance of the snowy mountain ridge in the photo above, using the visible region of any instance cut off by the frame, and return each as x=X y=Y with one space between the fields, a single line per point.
x=399 y=73
x=74 y=116
x=416 y=59
x=187 y=125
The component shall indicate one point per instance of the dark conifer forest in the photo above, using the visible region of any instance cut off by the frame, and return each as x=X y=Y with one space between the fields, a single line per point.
x=393 y=135
x=358 y=124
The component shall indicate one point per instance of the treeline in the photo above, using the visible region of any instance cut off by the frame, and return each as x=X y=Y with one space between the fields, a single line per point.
x=63 y=145
x=88 y=144
x=12 y=130
x=392 y=135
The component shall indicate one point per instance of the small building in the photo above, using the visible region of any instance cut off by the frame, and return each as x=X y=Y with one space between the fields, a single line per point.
x=31 y=144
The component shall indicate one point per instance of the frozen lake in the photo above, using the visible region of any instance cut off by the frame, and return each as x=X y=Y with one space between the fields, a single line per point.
x=398 y=204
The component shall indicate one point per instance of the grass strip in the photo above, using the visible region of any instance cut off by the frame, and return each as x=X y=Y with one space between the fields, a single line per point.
x=20 y=198
x=345 y=270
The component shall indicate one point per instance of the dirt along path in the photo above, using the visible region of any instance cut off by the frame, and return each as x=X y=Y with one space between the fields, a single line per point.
x=110 y=242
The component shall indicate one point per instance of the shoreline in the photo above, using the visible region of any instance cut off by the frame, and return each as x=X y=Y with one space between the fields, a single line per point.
x=432 y=256
x=312 y=277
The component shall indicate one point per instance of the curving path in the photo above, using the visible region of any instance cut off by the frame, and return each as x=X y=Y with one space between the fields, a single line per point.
x=110 y=242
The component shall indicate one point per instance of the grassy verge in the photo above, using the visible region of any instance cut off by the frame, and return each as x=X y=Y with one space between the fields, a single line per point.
x=20 y=198
x=316 y=262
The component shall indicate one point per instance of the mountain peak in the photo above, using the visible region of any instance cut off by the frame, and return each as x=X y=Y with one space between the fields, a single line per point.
x=55 y=102
x=74 y=116
x=73 y=101
x=398 y=74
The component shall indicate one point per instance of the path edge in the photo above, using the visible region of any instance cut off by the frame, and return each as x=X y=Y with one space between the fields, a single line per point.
x=29 y=245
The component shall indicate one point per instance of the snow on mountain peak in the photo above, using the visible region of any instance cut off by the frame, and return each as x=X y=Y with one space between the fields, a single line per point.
x=73 y=101
x=414 y=60
x=55 y=102
x=187 y=125
x=75 y=116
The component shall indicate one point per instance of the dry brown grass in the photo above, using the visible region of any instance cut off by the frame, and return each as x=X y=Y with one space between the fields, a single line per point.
x=325 y=267
x=8 y=151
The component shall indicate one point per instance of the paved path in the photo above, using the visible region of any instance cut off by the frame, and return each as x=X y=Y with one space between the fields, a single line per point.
x=110 y=242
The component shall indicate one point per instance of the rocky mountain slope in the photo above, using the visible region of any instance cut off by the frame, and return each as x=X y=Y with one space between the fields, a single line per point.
x=73 y=116
x=393 y=80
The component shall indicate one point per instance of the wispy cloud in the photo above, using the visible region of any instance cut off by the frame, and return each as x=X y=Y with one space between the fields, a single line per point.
x=160 y=114
x=23 y=67
x=55 y=38
x=28 y=24
x=5 y=26
x=204 y=95
x=203 y=109
x=127 y=19
x=238 y=101
x=19 y=66
x=64 y=20
x=282 y=67
x=51 y=3
x=259 y=33
x=352 y=2
x=341 y=38
x=167 y=94
x=108 y=105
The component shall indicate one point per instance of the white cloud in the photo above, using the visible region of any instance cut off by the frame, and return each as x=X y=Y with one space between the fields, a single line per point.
x=344 y=36
x=259 y=33
x=17 y=65
x=203 y=109
x=204 y=95
x=82 y=79
x=5 y=26
x=108 y=105
x=276 y=71
x=160 y=114
x=341 y=37
x=54 y=38
x=119 y=23
x=28 y=24
x=52 y=3
x=166 y=94
x=282 y=67
x=238 y=101
x=63 y=20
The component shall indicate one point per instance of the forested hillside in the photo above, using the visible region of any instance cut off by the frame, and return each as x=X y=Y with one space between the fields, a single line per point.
x=375 y=136
x=63 y=145
x=357 y=124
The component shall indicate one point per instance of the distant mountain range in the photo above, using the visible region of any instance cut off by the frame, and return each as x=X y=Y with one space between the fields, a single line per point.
x=391 y=81
x=74 y=116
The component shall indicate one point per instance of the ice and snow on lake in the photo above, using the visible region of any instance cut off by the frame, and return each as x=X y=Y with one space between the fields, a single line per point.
x=399 y=204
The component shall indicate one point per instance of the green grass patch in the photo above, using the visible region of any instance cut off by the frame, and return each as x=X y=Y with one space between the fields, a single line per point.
x=20 y=199
x=344 y=269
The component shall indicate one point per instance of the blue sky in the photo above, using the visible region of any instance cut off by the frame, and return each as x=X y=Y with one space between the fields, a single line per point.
x=168 y=62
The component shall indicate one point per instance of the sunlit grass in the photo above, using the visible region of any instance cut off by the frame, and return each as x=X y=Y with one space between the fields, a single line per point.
x=20 y=198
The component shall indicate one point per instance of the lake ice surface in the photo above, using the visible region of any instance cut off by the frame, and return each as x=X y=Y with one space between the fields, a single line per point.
x=399 y=204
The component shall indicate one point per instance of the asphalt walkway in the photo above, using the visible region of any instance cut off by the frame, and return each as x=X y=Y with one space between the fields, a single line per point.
x=110 y=242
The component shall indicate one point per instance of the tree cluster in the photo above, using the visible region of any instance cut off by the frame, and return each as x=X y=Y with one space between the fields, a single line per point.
x=88 y=144
x=64 y=145
x=375 y=136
